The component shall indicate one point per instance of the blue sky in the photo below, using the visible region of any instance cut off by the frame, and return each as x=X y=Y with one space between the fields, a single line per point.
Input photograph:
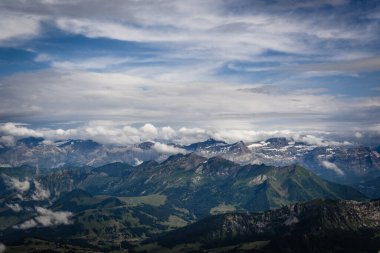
x=216 y=65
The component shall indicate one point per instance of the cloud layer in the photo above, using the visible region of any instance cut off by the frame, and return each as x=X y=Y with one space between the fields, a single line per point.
x=83 y=96
x=109 y=132
x=18 y=185
x=331 y=166
x=224 y=65
x=46 y=218
x=23 y=187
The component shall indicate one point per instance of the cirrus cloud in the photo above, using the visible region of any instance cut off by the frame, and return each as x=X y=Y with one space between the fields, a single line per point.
x=225 y=65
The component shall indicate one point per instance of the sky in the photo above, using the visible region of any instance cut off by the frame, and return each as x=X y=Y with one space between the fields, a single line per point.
x=128 y=70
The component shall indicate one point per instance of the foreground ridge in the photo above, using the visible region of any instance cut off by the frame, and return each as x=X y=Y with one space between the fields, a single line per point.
x=315 y=226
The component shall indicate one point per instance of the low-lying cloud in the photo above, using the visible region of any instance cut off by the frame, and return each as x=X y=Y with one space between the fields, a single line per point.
x=12 y=129
x=107 y=132
x=22 y=188
x=331 y=166
x=46 y=218
x=167 y=149
x=15 y=207
x=16 y=184
x=39 y=192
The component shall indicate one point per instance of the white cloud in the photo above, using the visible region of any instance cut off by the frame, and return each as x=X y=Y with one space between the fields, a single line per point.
x=26 y=224
x=200 y=29
x=193 y=43
x=46 y=218
x=247 y=135
x=358 y=135
x=209 y=30
x=167 y=133
x=149 y=130
x=23 y=186
x=40 y=193
x=192 y=131
x=186 y=135
x=318 y=141
x=87 y=64
x=17 y=130
x=111 y=96
x=14 y=183
x=167 y=149
x=15 y=207
x=49 y=218
x=333 y=167
x=7 y=140
x=18 y=26
x=109 y=132
x=47 y=142
x=363 y=64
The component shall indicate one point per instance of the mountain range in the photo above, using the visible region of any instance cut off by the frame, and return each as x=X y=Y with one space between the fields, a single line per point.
x=347 y=164
x=207 y=198
x=315 y=226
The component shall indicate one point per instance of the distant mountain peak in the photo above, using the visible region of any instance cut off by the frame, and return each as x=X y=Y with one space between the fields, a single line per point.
x=220 y=162
x=187 y=162
x=31 y=141
x=194 y=156
x=174 y=157
x=278 y=141
x=146 y=164
x=82 y=144
x=204 y=144
x=240 y=145
x=219 y=159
